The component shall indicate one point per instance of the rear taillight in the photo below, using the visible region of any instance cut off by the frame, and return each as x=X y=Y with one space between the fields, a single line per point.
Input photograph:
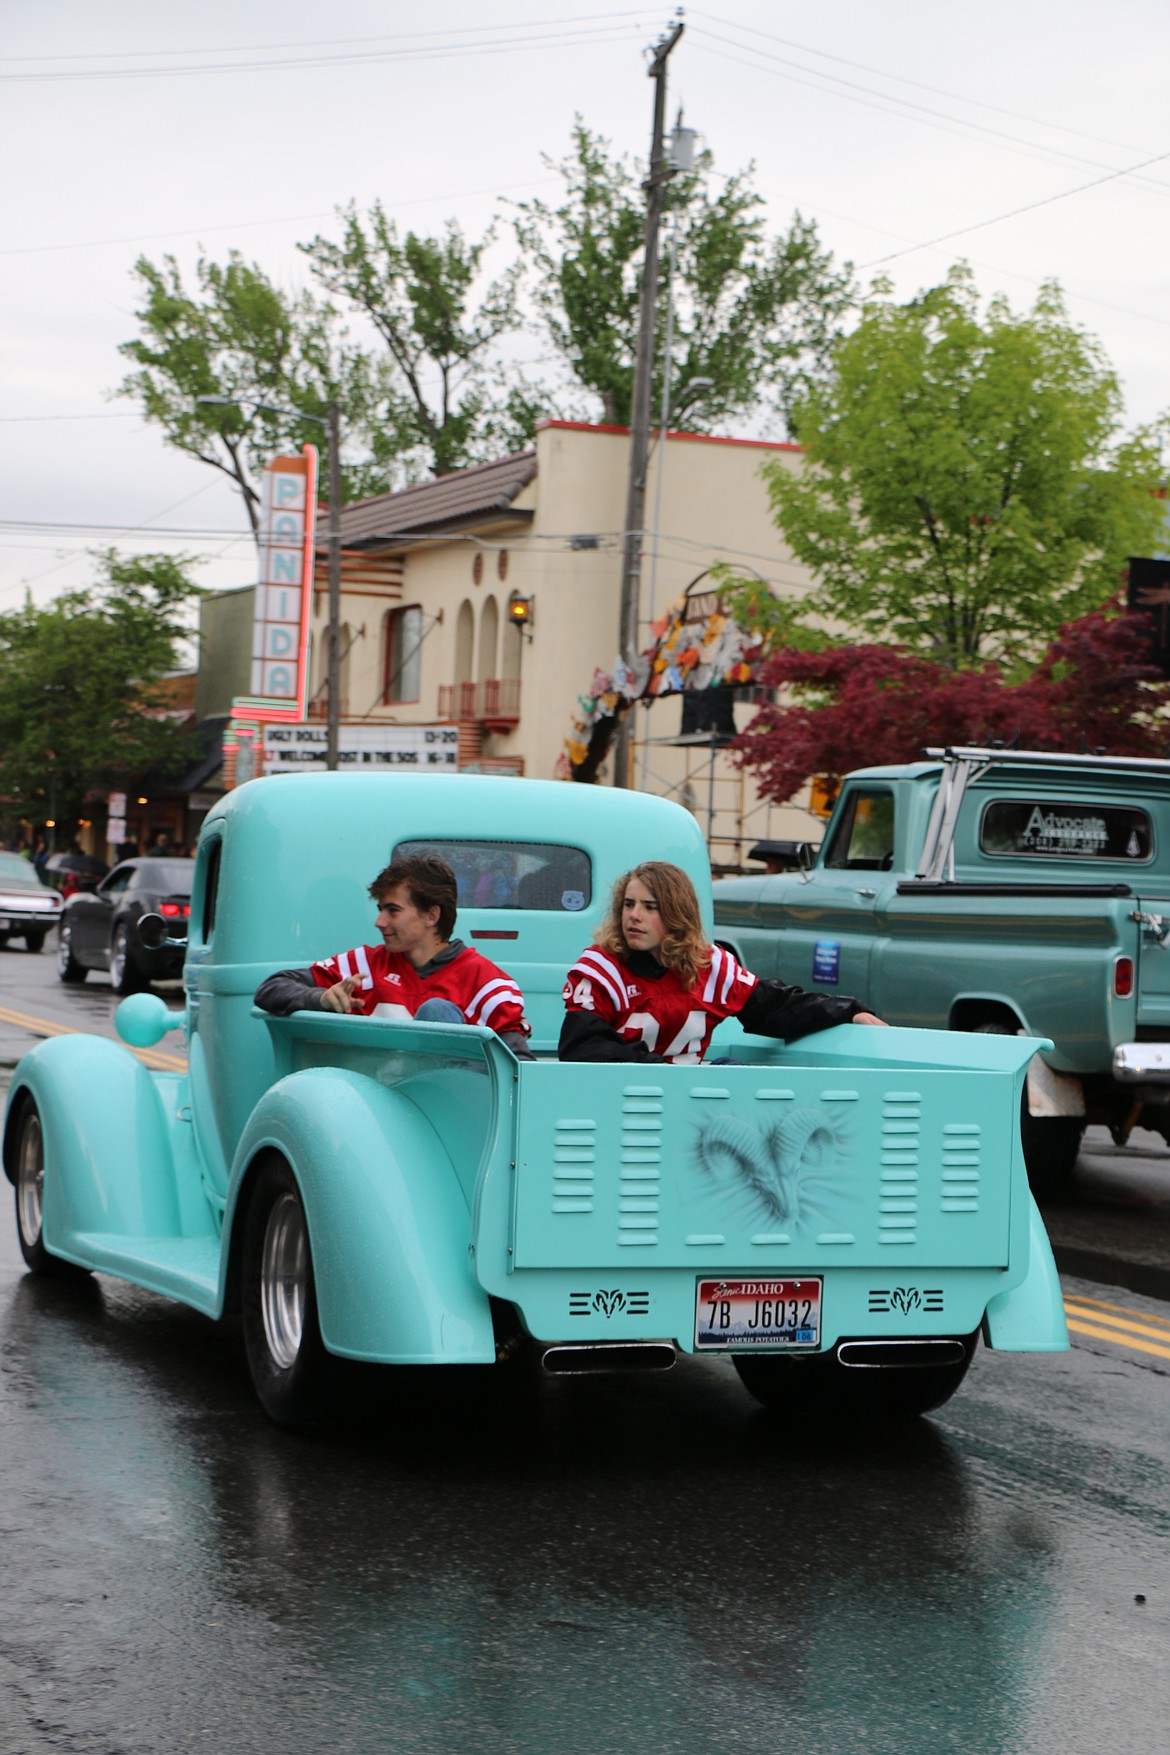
x=174 y=910
x=1123 y=977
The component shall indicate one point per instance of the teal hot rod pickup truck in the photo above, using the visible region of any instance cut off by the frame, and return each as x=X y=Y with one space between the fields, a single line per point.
x=840 y=1219
x=1000 y=891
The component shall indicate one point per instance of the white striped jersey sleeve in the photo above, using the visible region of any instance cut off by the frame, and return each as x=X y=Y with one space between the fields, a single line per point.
x=596 y=984
x=728 y=985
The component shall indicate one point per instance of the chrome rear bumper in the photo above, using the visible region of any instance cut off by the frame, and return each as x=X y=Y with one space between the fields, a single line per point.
x=1136 y=1063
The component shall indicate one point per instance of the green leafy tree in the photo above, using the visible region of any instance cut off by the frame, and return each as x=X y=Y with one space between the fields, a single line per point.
x=967 y=487
x=80 y=701
x=238 y=336
x=751 y=314
x=444 y=401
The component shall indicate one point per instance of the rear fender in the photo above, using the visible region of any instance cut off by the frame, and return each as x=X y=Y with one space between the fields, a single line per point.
x=109 y=1162
x=389 y=1225
x=1030 y=1318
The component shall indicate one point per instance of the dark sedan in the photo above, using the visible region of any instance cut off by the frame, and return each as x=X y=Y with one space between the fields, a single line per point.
x=98 y=930
x=27 y=909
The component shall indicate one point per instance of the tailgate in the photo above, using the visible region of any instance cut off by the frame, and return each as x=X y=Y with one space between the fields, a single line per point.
x=764 y=1165
x=1153 y=983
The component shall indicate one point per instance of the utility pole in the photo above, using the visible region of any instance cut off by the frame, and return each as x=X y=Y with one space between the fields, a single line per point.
x=660 y=173
x=333 y=720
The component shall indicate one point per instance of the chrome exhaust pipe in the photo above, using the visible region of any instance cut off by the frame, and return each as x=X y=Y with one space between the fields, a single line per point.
x=590 y=1357
x=883 y=1355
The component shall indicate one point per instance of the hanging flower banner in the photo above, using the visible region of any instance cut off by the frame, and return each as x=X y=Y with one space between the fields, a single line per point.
x=686 y=655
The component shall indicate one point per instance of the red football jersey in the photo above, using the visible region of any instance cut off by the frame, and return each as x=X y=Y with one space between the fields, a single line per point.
x=391 y=986
x=672 y=1020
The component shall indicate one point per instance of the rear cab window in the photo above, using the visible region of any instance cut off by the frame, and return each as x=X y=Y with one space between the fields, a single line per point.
x=533 y=875
x=1046 y=828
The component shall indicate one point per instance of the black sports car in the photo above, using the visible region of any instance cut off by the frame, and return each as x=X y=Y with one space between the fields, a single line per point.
x=98 y=929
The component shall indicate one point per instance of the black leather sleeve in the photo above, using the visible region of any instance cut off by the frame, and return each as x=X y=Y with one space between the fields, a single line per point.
x=585 y=1036
x=292 y=990
x=775 y=1009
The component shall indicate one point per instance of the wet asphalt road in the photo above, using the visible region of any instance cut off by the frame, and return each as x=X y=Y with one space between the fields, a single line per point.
x=488 y=1562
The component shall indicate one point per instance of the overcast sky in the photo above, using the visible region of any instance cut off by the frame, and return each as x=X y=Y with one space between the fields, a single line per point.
x=130 y=125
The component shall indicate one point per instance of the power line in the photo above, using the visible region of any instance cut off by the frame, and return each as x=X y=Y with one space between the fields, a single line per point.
x=556 y=39
x=284 y=219
x=997 y=219
x=11 y=420
x=918 y=84
x=322 y=42
x=889 y=104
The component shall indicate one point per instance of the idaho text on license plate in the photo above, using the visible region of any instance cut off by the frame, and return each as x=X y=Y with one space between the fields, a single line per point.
x=758 y=1313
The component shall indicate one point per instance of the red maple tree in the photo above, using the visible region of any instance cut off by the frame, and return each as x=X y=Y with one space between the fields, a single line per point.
x=858 y=706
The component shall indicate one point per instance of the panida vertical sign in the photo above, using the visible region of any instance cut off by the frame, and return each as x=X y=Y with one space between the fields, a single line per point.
x=280 y=631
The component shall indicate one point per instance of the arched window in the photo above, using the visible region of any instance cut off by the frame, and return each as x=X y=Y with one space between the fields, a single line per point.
x=489 y=631
x=464 y=641
x=402 y=655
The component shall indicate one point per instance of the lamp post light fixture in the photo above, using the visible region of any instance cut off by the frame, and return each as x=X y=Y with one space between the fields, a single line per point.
x=522 y=613
x=332 y=425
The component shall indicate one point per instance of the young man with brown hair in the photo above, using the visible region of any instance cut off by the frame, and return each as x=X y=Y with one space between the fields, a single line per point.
x=418 y=970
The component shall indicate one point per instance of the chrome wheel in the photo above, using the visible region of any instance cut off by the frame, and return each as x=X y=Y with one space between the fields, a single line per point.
x=284 y=1280
x=124 y=975
x=30 y=1181
x=292 y=1372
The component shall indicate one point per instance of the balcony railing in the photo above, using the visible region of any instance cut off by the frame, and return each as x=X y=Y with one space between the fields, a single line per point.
x=494 y=704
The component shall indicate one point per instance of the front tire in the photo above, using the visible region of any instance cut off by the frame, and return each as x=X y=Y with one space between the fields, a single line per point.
x=29 y=1181
x=124 y=977
x=68 y=968
x=820 y=1386
x=291 y=1370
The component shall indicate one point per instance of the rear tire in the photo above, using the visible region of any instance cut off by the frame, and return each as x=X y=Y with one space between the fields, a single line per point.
x=35 y=941
x=1051 y=1143
x=29 y=1183
x=291 y=1370
x=819 y=1385
x=68 y=968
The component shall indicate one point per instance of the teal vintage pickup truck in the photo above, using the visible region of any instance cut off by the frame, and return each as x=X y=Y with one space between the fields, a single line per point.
x=997 y=891
x=841 y=1219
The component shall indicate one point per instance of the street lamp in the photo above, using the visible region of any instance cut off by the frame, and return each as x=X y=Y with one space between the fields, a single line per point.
x=332 y=425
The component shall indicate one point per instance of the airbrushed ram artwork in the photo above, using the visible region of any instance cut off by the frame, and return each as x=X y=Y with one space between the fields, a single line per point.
x=842 y=1218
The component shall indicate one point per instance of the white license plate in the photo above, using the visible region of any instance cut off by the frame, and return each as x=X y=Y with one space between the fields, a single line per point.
x=758 y=1313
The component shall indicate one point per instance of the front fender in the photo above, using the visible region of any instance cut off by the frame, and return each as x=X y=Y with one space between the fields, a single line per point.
x=388 y=1222
x=109 y=1163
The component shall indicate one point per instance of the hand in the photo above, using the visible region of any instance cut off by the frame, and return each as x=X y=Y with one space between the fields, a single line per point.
x=868 y=1018
x=339 y=997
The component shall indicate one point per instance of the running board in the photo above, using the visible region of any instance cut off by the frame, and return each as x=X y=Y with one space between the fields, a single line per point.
x=186 y=1268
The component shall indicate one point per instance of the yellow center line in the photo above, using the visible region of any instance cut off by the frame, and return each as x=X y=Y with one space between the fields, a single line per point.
x=150 y=1057
x=1135 y=1325
x=1104 y=1334
x=1094 y=1304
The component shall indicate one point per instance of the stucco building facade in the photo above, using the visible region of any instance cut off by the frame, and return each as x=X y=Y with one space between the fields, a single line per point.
x=428 y=639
